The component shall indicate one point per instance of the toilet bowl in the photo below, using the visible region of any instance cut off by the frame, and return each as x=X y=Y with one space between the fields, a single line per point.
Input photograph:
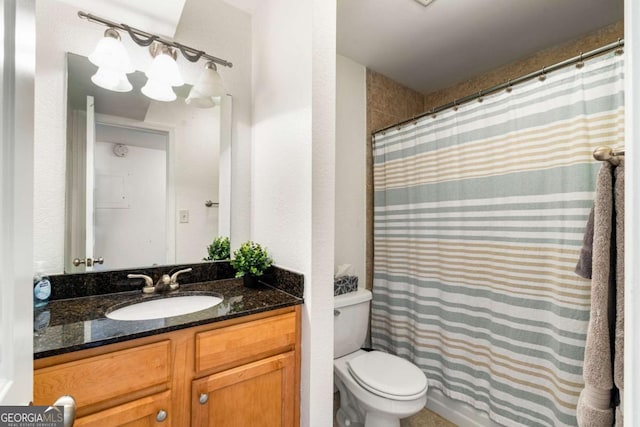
x=377 y=389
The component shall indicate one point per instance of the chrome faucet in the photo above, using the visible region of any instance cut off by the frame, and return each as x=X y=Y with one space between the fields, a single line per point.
x=165 y=282
x=173 y=284
x=148 y=282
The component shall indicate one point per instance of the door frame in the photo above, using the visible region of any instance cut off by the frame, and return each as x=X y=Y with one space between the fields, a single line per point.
x=632 y=214
x=16 y=201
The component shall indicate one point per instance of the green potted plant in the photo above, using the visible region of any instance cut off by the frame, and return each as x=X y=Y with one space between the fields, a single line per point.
x=219 y=249
x=250 y=261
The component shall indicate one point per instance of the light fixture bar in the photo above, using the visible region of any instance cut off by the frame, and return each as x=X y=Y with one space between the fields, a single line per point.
x=142 y=38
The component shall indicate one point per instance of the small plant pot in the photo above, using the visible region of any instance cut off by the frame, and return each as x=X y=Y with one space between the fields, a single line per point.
x=250 y=281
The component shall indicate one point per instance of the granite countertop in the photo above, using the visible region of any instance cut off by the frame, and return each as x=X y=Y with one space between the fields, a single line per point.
x=67 y=325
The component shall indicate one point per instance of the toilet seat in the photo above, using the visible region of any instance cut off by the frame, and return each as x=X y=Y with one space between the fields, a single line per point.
x=388 y=376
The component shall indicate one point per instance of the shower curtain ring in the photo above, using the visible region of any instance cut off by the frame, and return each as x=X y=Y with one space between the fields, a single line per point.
x=480 y=97
x=455 y=105
x=509 y=87
x=580 y=62
x=619 y=50
x=542 y=77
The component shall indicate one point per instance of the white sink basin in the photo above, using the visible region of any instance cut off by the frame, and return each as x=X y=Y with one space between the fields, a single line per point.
x=164 y=307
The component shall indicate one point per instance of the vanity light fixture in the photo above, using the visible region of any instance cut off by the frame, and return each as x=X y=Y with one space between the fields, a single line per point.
x=208 y=89
x=163 y=73
x=113 y=63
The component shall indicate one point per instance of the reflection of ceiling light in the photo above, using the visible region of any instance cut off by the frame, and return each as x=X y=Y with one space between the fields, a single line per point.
x=425 y=3
x=162 y=74
x=113 y=63
x=209 y=88
x=108 y=79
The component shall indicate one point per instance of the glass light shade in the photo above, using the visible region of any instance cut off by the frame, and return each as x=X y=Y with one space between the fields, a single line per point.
x=111 y=80
x=160 y=91
x=207 y=89
x=198 y=100
x=110 y=53
x=164 y=70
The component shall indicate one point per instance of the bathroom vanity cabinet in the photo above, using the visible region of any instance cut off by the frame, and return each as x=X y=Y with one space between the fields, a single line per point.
x=237 y=372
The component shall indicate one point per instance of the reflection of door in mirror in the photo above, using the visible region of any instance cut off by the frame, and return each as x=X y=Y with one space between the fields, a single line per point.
x=130 y=197
x=126 y=204
x=155 y=165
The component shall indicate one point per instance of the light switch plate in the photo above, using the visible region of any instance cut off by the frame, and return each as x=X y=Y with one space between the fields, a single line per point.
x=184 y=216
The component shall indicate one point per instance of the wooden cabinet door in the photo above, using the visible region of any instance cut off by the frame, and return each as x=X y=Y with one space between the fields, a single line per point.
x=139 y=413
x=259 y=394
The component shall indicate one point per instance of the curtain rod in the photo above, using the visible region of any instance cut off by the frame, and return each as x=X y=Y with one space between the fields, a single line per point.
x=509 y=83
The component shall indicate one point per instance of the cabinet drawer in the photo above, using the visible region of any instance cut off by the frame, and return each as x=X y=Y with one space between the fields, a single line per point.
x=100 y=378
x=140 y=413
x=239 y=344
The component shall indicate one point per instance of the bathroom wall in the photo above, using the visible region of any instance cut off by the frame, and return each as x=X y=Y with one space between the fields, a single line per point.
x=293 y=174
x=213 y=26
x=521 y=67
x=225 y=32
x=197 y=134
x=389 y=102
x=632 y=215
x=17 y=71
x=350 y=165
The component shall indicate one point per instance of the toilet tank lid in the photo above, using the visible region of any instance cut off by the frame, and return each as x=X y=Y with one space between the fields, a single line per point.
x=351 y=298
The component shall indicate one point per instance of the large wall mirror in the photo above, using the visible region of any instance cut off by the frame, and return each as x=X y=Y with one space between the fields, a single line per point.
x=147 y=182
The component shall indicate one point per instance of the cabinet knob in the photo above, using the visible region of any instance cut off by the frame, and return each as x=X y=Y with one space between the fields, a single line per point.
x=161 y=415
x=204 y=398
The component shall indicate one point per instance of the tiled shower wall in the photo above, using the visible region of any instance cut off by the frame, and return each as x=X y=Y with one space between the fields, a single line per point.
x=389 y=102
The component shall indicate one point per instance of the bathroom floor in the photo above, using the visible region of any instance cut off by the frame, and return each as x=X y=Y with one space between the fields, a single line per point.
x=424 y=418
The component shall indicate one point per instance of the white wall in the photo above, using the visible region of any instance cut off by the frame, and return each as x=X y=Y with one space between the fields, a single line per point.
x=213 y=26
x=17 y=73
x=293 y=171
x=196 y=152
x=632 y=215
x=226 y=32
x=351 y=129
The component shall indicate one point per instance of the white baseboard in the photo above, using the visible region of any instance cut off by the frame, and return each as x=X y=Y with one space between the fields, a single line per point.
x=457 y=412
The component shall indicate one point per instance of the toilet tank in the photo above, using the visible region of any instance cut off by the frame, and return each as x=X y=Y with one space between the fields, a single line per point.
x=350 y=321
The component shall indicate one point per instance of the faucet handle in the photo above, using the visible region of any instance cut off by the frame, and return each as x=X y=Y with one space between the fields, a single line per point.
x=163 y=282
x=148 y=282
x=174 y=277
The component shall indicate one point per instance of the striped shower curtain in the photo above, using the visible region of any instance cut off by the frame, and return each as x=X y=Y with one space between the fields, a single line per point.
x=478 y=222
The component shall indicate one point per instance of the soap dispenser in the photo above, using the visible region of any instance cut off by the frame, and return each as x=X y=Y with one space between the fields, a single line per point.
x=41 y=286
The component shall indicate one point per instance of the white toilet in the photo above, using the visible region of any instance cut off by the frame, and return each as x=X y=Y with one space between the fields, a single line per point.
x=377 y=389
